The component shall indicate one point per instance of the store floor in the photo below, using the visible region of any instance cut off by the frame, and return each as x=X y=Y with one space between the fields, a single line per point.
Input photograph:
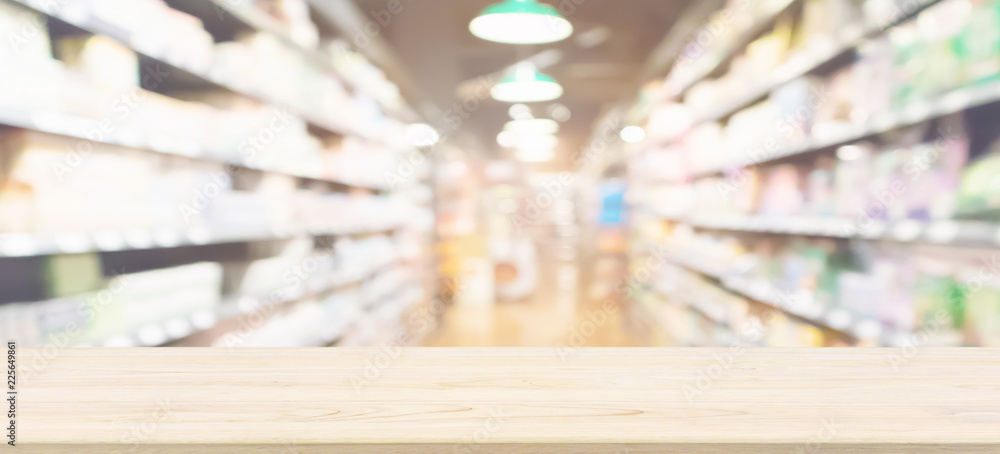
x=559 y=314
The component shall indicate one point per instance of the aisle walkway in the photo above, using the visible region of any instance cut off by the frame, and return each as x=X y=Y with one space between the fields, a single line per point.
x=555 y=316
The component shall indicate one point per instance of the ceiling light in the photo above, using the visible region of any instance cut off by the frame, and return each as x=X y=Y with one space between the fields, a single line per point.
x=526 y=85
x=633 y=134
x=521 y=22
x=519 y=112
x=535 y=154
x=507 y=139
x=532 y=126
x=559 y=113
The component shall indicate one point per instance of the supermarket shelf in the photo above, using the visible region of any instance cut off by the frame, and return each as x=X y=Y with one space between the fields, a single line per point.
x=404 y=285
x=179 y=328
x=916 y=113
x=811 y=59
x=157 y=334
x=85 y=22
x=262 y=22
x=837 y=321
x=729 y=50
x=691 y=303
x=76 y=127
x=952 y=233
x=29 y=245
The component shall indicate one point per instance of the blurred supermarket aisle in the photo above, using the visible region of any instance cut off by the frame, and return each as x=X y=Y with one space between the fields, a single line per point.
x=500 y=172
x=559 y=314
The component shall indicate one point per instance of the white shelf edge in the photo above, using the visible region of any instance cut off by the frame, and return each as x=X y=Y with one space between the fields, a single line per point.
x=25 y=120
x=229 y=308
x=32 y=245
x=941 y=232
x=819 y=321
x=954 y=101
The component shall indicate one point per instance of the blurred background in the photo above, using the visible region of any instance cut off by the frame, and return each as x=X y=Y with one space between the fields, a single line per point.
x=572 y=173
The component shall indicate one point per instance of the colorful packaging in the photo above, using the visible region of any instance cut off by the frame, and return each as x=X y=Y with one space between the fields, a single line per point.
x=783 y=192
x=980 y=43
x=821 y=188
x=983 y=315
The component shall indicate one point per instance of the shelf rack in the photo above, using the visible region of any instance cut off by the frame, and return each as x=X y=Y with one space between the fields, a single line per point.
x=177 y=328
x=85 y=22
x=260 y=21
x=800 y=65
x=955 y=233
x=943 y=232
x=836 y=321
x=759 y=25
x=816 y=57
x=30 y=245
x=918 y=112
x=74 y=127
x=232 y=308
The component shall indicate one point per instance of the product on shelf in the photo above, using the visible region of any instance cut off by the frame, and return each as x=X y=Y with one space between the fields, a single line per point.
x=155 y=297
x=707 y=136
x=695 y=311
x=668 y=121
x=939 y=301
x=125 y=305
x=837 y=112
x=979 y=190
x=73 y=274
x=887 y=292
x=50 y=188
x=100 y=59
x=982 y=315
x=766 y=53
x=864 y=143
x=980 y=41
x=26 y=35
x=821 y=187
x=295 y=14
x=797 y=102
x=112 y=155
x=851 y=177
x=783 y=190
x=916 y=61
x=935 y=172
x=874 y=73
x=153 y=27
x=940 y=30
x=361 y=73
x=58 y=323
x=302 y=325
x=824 y=20
x=943 y=49
x=749 y=134
x=282 y=275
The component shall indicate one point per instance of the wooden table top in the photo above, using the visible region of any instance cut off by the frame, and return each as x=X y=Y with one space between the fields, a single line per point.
x=471 y=400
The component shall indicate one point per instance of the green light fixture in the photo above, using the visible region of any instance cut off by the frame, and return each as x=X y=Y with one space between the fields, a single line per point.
x=526 y=85
x=521 y=22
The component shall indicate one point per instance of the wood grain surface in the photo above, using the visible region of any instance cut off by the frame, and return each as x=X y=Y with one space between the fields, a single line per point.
x=523 y=400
